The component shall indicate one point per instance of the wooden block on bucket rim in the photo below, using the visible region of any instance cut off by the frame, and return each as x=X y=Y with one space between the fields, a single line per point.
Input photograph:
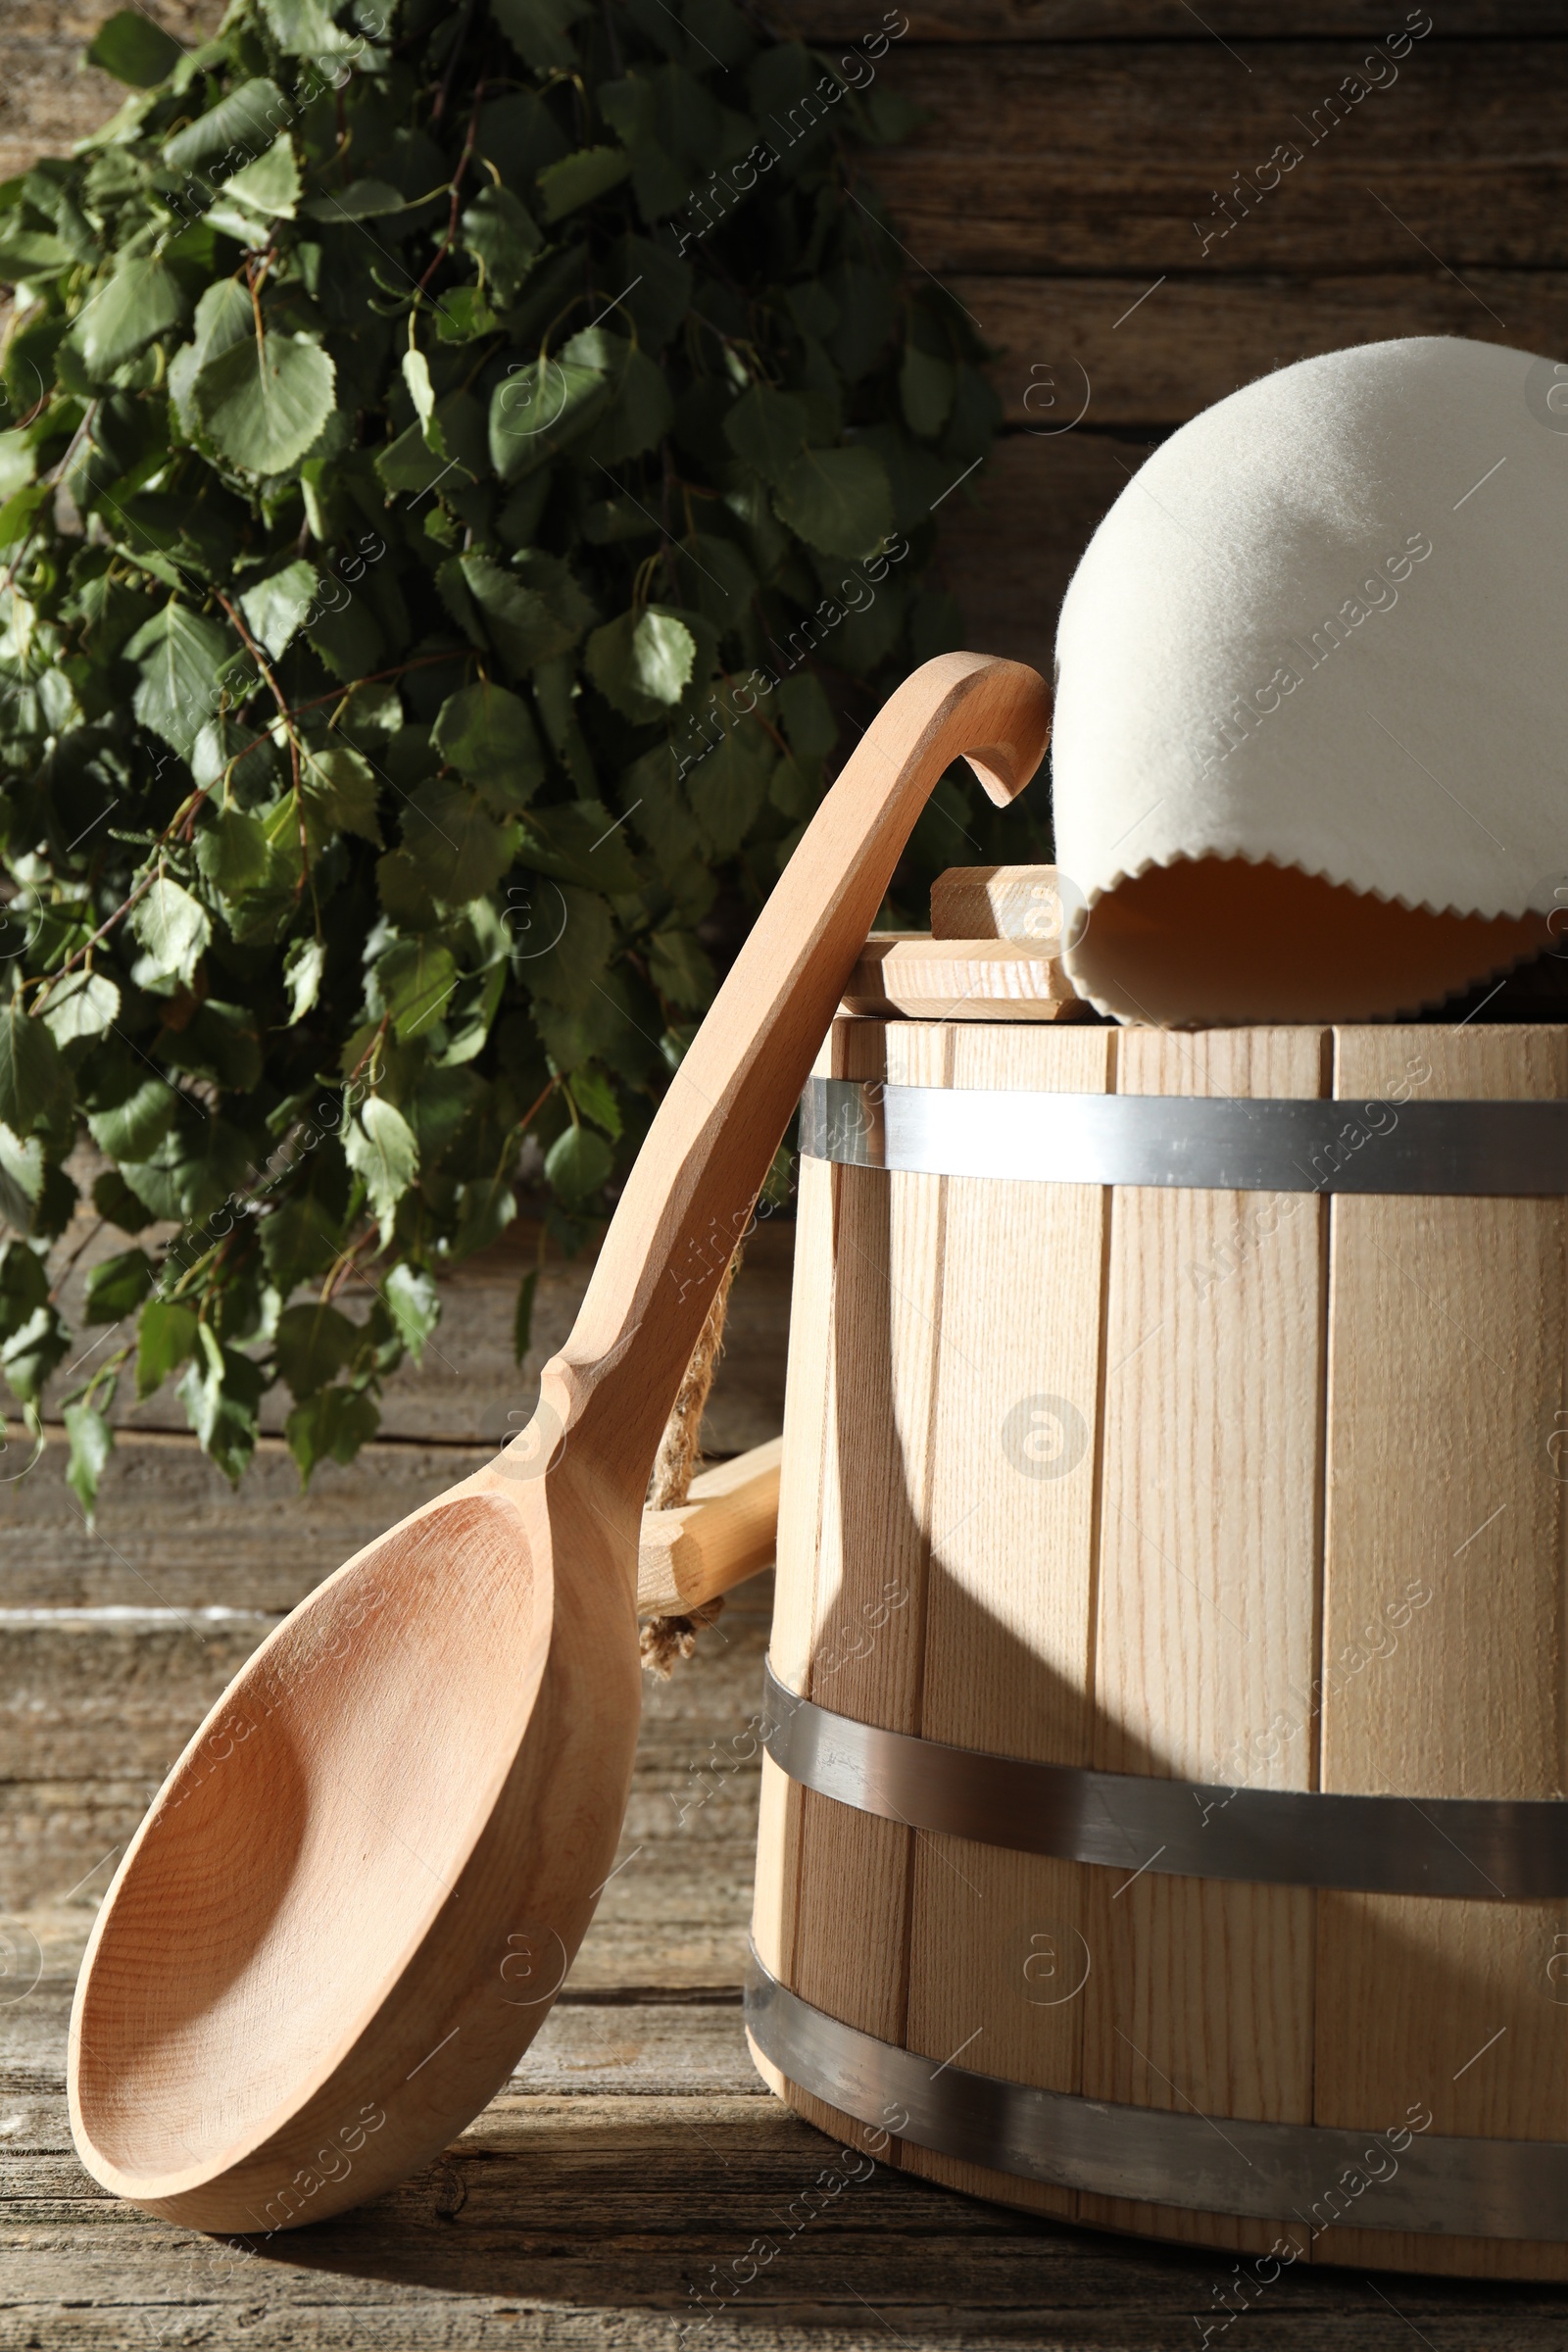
x=1002 y=902
x=959 y=980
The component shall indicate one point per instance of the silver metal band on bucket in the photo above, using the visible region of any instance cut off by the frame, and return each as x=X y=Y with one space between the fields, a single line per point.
x=1395 y=2175
x=1481 y=1849
x=1517 y=1149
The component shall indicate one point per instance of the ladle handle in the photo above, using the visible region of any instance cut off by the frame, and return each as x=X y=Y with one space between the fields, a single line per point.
x=698 y=1174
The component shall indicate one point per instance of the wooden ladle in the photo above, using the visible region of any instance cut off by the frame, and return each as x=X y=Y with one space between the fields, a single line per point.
x=352 y=1902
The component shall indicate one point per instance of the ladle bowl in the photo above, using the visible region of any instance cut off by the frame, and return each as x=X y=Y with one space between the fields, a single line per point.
x=353 y=1901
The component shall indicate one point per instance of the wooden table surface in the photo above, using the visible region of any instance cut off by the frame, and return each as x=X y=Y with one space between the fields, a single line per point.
x=633 y=2156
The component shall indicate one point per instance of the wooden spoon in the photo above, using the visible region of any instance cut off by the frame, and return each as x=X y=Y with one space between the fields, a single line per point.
x=350 y=1905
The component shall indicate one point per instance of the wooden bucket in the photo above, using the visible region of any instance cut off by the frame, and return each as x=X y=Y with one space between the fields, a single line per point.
x=1226 y=1513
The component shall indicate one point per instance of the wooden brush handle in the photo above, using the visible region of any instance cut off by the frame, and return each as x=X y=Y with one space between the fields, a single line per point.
x=697 y=1176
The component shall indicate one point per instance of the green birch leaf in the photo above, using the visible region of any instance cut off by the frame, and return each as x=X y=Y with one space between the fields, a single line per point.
x=264 y=406
x=583 y=842
x=180 y=654
x=134 y=49
x=540 y=407
x=728 y=787
x=489 y=736
x=681 y=969
x=303 y=967
x=500 y=232
x=330 y=1426
x=530 y=619
x=412 y=983
x=462 y=314
x=30 y=1354
x=29 y=1071
x=172 y=927
x=231 y=853
x=133 y=1129
x=360 y=200
x=311 y=1345
x=83 y=1005
x=305 y=28
x=22 y=1178
x=838 y=500
x=537 y=31
x=165 y=1338
x=222 y=1392
x=224 y=318
x=275 y=607
x=24 y=1286
x=767 y=431
x=565 y=188
x=458 y=850
x=249 y=117
x=27 y=253
x=643 y=413
x=117 y=1287
x=414 y=1304
x=595 y=1098
x=642 y=663
x=341 y=785
x=18 y=461
x=417 y=376
x=271 y=186
x=578 y=1163
x=925 y=391
x=91 y=1442
x=808 y=717
x=379 y=1145
x=139 y=299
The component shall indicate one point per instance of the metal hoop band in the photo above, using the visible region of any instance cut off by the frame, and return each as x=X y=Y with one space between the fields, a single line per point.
x=1516 y=1149
x=1399 y=2177
x=1481 y=1849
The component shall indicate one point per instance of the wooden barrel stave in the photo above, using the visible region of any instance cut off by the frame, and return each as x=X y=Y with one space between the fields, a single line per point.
x=1449 y=1319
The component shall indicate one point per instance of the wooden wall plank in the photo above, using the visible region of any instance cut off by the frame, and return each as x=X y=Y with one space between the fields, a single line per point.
x=1010 y=545
x=1098 y=157
x=173 y=1533
x=998 y=1957
x=1202 y=1996
x=1448 y=1322
x=1071 y=348
x=1241 y=21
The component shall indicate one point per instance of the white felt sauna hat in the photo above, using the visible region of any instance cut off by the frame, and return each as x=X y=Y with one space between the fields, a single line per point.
x=1311 y=758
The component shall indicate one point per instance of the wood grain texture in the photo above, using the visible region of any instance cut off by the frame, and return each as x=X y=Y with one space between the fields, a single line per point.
x=872 y=1552
x=1448 y=1322
x=1012 y=539
x=997 y=1941
x=1241 y=21
x=1207 y=1611
x=972 y=980
x=724 y=1532
x=1099 y=158
x=1074 y=353
x=1021 y=902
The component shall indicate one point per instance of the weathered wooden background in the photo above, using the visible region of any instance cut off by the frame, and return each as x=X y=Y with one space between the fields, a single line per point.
x=1071 y=147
